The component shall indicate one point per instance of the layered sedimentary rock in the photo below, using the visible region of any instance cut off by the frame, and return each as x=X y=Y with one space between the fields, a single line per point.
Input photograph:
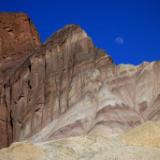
x=113 y=101
x=68 y=87
x=18 y=40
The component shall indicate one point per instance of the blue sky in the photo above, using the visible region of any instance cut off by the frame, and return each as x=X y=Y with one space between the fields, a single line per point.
x=129 y=30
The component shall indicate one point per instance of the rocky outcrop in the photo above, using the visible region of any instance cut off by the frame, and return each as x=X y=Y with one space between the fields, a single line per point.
x=68 y=87
x=17 y=35
x=43 y=89
x=114 y=102
x=18 y=40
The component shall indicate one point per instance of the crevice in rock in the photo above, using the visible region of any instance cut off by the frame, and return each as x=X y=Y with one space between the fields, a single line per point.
x=37 y=109
x=30 y=67
x=29 y=84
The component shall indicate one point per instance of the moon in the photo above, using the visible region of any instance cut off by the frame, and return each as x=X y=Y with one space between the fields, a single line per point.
x=119 y=40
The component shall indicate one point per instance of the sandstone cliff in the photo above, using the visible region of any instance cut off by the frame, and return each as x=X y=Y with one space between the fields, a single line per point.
x=18 y=40
x=17 y=35
x=68 y=87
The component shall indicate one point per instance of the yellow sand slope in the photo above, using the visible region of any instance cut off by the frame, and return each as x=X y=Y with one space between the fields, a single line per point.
x=147 y=134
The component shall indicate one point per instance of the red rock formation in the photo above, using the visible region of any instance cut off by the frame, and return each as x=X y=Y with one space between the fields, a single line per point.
x=69 y=87
x=18 y=39
x=17 y=35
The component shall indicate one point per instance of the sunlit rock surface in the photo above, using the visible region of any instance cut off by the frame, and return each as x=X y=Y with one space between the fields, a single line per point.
x=17 y=33
x=97 y=147
x=67 y=87
x=146 y=134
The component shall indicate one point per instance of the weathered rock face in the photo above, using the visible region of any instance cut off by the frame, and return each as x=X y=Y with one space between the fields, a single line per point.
x=45 y=88
x=113 y=101
x=17 y=35
x=18 y=39
x=68 y=87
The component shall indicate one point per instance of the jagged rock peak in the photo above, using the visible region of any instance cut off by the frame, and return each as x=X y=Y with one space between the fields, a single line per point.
x=69 y=34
